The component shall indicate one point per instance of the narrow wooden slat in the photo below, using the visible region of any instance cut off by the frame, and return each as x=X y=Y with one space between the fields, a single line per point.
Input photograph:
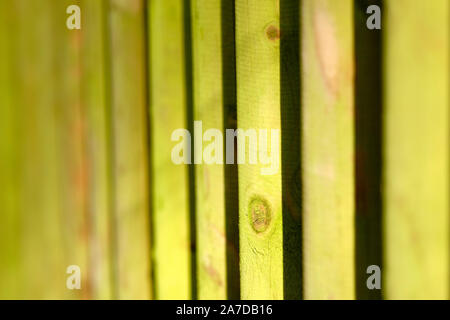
x=170 y=211
x=70 y=138
x=95 y=105
x=327 y=154
x=258 y=107
x=416 y=140
x=210 y=180
x=130 y=148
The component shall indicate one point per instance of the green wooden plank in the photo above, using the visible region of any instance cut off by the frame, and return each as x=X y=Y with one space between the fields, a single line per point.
x=170 y=212
x=9 y=214
x=130 y=151
x=41 y=241
x=70 y=138
x=416 y=143
x=258 y=107
x=209 y=177
x=327 y=154
x=95 y=104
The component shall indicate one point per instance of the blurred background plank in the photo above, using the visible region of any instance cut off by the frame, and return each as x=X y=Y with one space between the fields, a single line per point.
x=170 y=184
x=40 y=237
x=328 y=149
x=416 y=142
x=130 y=148
x=258 y=107
x=9 y=169
x=96 y=106
x=70 y=139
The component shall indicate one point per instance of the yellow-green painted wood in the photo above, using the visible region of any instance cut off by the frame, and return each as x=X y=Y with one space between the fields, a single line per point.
x=95 y=104
x=41 y=241
x=258 y=107
x=9 y=169
x=328 y=149
x=206 y=17
x=416 y=142
x=70 y=138
x=168 y=112
x=130 y=148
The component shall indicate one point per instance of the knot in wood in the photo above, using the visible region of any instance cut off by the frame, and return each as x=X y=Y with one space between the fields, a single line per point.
x=260 y=214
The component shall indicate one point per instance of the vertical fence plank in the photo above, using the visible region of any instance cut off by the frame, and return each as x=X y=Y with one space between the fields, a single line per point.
x=70 y=137
x=258 y=107
x=327 y=138
x=169 y=181
x=130 y=148
x=9 y=215
x=41 y=240
x=416 y=180
x=210 y=180
x=95 y=105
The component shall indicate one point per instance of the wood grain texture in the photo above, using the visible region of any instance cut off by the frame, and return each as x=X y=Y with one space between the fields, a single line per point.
x=258 y=107
x=416 y=142
x=130 y=148
x=168 y=112
x=206 y=18
x=328 y=149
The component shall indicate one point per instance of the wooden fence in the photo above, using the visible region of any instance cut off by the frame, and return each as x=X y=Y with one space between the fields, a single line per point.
x=87 y=179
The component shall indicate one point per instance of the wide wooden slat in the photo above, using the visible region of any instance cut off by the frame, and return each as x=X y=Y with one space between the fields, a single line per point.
x=416 y=142
x=130 y=148
x=168 y=112
x=41 y=239
x=258 y=107
x=327 y=154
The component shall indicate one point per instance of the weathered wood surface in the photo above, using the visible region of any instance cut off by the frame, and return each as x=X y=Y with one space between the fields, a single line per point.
x=258 y=107
x=328 y=149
